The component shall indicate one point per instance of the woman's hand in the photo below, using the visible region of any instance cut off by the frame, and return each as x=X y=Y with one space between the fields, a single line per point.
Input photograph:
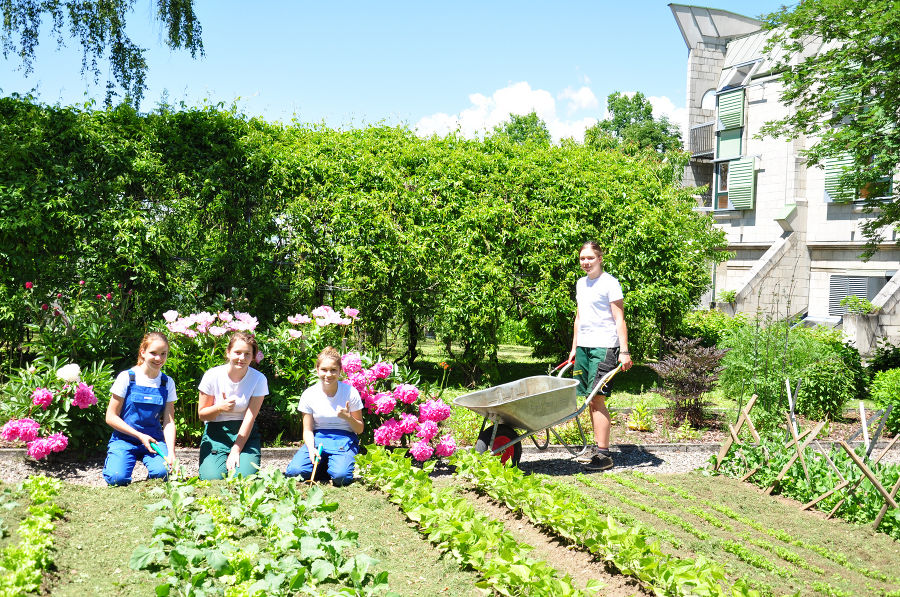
x=313 y=455
x=234 y=459
x=344 y=411
x=625 y=360
x=170 y=461
x=227 y=404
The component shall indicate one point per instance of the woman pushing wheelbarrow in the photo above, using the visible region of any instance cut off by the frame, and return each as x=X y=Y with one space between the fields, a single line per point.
x=599 y=345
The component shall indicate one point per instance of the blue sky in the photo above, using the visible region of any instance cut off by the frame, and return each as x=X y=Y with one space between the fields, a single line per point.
x=432 y=66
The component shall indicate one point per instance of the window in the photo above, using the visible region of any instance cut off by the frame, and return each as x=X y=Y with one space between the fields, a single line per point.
x=708 y=102
x=738 y=75
x=722 y=186
x=735 y=184
x=837 y=191
x=729 y=143
x=840 y=287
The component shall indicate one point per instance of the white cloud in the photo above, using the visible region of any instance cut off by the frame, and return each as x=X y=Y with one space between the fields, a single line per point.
x=663 y=106
x=485 y=112
x=581 y=99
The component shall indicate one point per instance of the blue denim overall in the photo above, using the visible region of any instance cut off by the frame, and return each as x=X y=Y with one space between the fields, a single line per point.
x=339 y=450
x=141 y=408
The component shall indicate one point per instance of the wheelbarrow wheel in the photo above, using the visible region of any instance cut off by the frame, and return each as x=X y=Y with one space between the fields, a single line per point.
x=505 y=434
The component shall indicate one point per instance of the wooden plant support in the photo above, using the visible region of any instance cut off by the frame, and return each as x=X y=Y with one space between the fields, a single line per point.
x=807 y=436
x=844 y=482
x=735 y=430
x=859 y=480
x=884 y=508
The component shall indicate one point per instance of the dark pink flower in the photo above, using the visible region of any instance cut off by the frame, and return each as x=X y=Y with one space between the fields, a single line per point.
x=109 y=296
x=81 y=282
x=84 y=396
x=38 y=449
x=384 y=403
x=57 y=442
x=28 y=285
x=434 y=410
x=42 y=397
x=407 y=394
x=427 y=430
x=382 y=370
x=58 y=295
x=388 y=432
x=99 y=296
x=446 y=447
x=421 y=451
x=408 y=423
x=44 y=307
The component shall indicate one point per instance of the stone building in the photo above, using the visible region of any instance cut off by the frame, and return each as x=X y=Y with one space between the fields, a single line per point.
x=794 y=231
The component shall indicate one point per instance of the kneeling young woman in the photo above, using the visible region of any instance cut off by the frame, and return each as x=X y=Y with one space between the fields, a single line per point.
x=230 y=398
x=332 y=422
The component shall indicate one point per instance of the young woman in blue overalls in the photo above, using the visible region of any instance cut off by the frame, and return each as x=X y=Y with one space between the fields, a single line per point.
x=140 y=396
x=332 y=422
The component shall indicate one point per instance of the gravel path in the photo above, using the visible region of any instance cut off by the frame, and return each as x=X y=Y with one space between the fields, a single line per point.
x=555 y=461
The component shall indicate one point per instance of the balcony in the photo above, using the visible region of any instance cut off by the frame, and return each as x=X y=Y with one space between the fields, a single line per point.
x=703 y=141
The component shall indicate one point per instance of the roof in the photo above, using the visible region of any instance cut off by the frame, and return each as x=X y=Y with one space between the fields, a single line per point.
x=699 y=24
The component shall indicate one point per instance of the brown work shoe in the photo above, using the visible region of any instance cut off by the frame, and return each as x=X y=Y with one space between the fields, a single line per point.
x=599 y=462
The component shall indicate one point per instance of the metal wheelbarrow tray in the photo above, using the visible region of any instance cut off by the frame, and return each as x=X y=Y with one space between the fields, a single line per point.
x=535 y=404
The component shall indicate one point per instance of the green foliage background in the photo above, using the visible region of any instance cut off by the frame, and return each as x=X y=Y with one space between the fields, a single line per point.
x=189 y=208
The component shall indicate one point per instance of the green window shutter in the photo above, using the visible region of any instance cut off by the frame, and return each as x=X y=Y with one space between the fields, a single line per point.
x=731 y=109
x=742 y=183
x=835 y=168
x=729 y=143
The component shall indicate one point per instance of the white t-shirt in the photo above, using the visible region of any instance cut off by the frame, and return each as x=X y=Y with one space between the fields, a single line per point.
x=315 y=402
x=215 y=382
x=120 y=385
x=596 y=326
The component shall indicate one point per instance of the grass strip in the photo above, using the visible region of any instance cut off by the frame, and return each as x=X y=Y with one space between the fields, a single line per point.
x=831 y=555
x=569 y=514
x=452 y=523
x=22 y=564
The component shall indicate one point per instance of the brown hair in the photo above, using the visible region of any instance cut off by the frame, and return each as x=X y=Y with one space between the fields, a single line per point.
x=330 y=353
x=250 y=339
x=145 y=342
x=593 y=246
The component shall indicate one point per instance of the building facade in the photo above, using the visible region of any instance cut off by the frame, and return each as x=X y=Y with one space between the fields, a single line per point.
x=795 y=233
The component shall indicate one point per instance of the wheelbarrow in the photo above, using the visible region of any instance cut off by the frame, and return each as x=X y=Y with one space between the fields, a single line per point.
x=535 y=405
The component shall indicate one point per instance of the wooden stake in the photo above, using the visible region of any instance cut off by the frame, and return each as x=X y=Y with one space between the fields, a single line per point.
x=809 y=435
x=868 y=473
x=884 y=508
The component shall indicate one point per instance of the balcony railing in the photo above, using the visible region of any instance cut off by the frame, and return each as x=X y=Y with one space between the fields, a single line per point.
x=703 y=140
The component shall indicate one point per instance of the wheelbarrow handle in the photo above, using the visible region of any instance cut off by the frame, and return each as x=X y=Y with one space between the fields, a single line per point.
x=563 y=367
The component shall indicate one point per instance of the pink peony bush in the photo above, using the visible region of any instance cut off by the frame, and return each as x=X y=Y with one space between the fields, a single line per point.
x=396 y=411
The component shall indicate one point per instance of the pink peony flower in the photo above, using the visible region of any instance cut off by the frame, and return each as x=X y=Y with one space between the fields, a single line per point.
x=217 y=330
x=434 y=410
x=58 y=295
x=321 y=322
x=446 y=447
x=84 y=396
x=351 y=363
x=225 y=316
x=406 y=393
x=57 y=442
x=109 y=296
x=322 y=312
x=44 y=307
x=427 y=430
x=28 y=285
x=81 y=282
x=259 y=356
x=358 y=380
x=38 y=449
x=351 y=312
x=42 y=397
x=170 y=316
x=409 y=423
x=382 y=370
x=388 y=432
x=384 y=403
x=421 y=451
x=99 y=297
x=294 y=334
x=23 y=429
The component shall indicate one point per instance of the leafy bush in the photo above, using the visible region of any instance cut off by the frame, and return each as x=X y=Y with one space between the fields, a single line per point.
x=710 y=325
x=827 y=385
x=886 y=391
x=688 y=371
x=81 y=326
x=67 y=403
x=887 y=356
x=858 y=305
x=765 y=354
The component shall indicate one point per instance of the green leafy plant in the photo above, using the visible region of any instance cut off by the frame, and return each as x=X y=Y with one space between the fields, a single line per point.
x=826 y=386
x=22 y=563
x=858 y=305
x=641 y=418
x=886 y=392
x=710 y=325
x=727 y=296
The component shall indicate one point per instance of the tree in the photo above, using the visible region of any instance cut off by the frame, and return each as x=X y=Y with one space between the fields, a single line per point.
x=631 y=122
x=100 y=27
x=521 y=129
x=841 y=75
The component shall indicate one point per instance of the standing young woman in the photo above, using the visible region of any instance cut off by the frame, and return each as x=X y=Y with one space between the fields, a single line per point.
x=139 y=396
x=599 y=343
x=230 y=398
x=332 y=422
